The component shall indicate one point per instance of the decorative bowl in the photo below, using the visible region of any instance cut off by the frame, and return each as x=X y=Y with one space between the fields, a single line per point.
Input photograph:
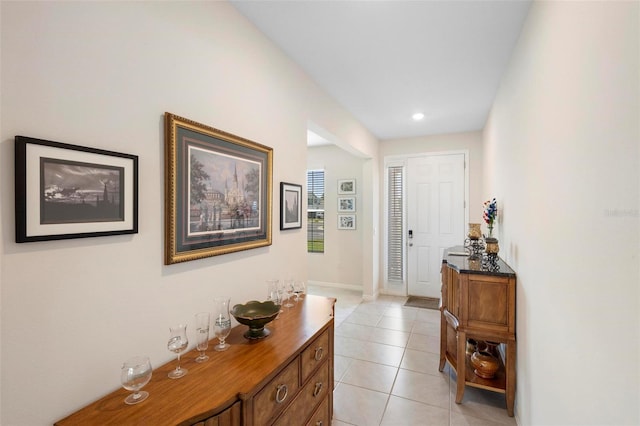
x=256 y=315
x=485 y=364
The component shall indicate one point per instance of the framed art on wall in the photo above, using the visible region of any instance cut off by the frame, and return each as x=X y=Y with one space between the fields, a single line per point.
x=290 y=206
x=65 y=191
x=346 y=204
x=218 y=191
x=346 y=221
x=346 y=186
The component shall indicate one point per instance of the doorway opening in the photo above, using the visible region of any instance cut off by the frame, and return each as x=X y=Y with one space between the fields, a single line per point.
x=426 y=199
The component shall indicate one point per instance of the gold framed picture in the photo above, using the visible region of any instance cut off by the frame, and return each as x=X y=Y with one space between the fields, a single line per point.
x=218 y=191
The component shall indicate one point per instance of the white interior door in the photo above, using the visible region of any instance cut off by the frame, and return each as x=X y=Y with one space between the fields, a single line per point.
x=435 y=217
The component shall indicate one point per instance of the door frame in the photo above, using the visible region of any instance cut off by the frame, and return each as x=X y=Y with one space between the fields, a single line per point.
x=395 y=288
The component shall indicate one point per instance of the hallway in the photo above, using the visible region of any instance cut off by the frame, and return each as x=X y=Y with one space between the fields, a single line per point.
x=386 y=368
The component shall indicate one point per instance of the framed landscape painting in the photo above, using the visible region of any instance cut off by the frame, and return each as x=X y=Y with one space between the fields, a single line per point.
x=65 y=191
x=218 y=191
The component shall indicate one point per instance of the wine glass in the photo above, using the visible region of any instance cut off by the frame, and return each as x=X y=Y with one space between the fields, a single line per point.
x=299 y=288
x=178 y=342
x=273 y=293
x=135 y=373
x=288 y=291
x=202 y=335
x=221 y=322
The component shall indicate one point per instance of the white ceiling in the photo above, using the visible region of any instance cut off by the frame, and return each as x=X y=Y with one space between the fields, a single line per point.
x=385 y=60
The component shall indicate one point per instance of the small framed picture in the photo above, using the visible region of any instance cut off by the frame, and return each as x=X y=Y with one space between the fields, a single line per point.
x=347 y=204
x=290 y=206
x=346 y=186
x=346 y=221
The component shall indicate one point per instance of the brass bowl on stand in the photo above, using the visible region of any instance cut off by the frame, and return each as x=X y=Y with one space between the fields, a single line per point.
x=256 y=315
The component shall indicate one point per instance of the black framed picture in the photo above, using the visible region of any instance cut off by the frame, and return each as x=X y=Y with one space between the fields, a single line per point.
x=218 y=191
x=65 y=191
x=290 y=206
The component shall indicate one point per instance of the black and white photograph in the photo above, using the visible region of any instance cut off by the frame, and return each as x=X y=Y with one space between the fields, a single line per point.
x=291 y=206
x=346 y=204
x=68 y=191
x=346 y=186
x=347 y=221
x=80 y=192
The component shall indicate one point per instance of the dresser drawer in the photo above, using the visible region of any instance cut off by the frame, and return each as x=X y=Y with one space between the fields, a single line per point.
x=315 y=354
x=277 y=394
x=230 y=417
x=321 y=416
x=311 y=395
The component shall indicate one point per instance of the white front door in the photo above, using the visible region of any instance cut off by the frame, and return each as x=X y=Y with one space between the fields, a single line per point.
x=435 y=217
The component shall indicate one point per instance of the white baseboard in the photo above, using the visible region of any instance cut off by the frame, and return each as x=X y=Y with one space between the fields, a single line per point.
x=351 y=287
x=372 y=298
x=394 y=288
x=335 y=285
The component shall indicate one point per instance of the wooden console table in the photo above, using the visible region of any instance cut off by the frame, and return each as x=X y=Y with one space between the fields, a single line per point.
x=478 y=302
x=285 y=378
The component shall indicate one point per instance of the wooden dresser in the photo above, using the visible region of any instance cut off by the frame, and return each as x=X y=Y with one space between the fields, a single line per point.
x=283 y=379
x=478 y=302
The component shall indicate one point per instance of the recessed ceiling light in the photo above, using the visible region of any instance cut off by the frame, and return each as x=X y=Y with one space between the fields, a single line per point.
x=417 y=116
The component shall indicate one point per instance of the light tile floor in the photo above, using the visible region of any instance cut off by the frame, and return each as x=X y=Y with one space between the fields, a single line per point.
x=386 y=368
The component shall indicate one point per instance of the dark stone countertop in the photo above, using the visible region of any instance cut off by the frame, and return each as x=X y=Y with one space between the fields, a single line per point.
x=478 y=265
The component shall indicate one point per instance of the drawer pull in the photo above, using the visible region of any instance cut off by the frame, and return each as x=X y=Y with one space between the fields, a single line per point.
x=319 y=423
x=317 y=389
x=280 y=398
x=318 y=354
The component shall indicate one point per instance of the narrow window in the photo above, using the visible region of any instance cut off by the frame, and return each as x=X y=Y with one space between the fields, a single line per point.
x=315 y=211
x=395 y=211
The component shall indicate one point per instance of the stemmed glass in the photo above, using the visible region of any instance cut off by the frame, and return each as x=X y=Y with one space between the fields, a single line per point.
x=288 y=291
x=299 y=289
x=202 y=335
x=135 y=373
x=221 y=322
x=276 y=292
x=178 y=342
x=273 y=293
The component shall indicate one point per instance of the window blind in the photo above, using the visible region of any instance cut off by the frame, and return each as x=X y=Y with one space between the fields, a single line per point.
x=395 y=252
x=315 y=211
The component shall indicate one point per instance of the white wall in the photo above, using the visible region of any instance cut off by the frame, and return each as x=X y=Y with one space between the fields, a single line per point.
x=341 y=264
x=561 y=156
x=468 y=141
x=101 y=74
